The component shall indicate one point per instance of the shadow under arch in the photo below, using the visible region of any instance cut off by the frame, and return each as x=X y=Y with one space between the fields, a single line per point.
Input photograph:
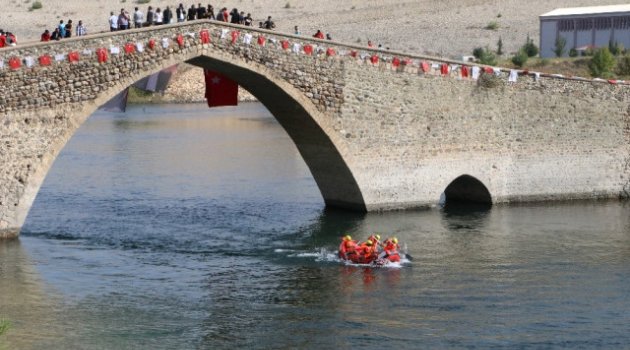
x=466 y=192
x=309 y=129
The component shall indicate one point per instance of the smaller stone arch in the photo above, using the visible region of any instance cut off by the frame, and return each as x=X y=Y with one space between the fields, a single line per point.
x=467 y=189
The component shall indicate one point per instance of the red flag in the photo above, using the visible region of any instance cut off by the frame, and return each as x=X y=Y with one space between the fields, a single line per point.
x=444 y=69
x=464 y=71
x=488 y=70
x=330 y=52
x=205 y=36
x=374 y=59
x=101 y=55
x=425 y=67
x=44 y=60
x=180 y=40
x=15 y=63
x=151 y=44
x=220 y=91
x=73 y=56
x=285 y=44
x=130 y=48
x=308 y=49
x=235 y=35
x=261 y=40
x=396 y=62
x=353 y=53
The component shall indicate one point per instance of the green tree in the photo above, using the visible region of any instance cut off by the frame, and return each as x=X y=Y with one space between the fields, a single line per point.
x=602 y=63
x=530 y=48
x=520 y=58
x=623 y=66
x=560 y=47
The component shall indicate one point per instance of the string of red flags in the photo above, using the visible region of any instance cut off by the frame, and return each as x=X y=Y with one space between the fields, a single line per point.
x=291 y=46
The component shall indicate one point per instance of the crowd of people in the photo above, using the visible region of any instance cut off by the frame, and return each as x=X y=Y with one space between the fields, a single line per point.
x=64 y=30
x=158 y=16
x=7 y=39
x=372 y=250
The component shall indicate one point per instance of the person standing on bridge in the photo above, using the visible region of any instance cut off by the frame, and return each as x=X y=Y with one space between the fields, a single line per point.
x=159 y=18
x=62 y=29
x=138 y=18
x=68 y=29
x=192 y=13
x=180 y=11
x=81 y=30
x=113 y=22
x=210 y=12
x=201 y=11
x=123 y=20
x=167 y=15
x=150 y=16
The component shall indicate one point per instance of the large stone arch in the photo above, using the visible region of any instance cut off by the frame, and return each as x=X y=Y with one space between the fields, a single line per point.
x=305 y=124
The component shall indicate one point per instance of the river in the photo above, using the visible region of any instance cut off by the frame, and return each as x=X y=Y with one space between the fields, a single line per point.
x=181 y=227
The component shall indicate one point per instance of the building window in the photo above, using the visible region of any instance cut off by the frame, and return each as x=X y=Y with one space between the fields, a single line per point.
x=584 y=24
x=603 y=23
x=566 y=25
x=622 y=22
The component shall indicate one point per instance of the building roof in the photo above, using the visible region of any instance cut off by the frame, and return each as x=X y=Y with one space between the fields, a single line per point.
x=589 y=10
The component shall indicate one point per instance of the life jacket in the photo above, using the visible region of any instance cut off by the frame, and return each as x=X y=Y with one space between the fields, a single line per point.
x=347 y=249
x=366 y=254
x=390 y=251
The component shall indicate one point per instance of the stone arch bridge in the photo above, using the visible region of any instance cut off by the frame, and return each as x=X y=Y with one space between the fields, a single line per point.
x=376 y=134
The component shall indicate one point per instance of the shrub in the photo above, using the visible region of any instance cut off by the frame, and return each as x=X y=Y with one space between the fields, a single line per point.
x=4 y=326
x=143 y=1
x=602 y=63
x=36 y=5
x=573 y=53
x=615 y=48
x=478 y=52
x=520 y=58
x=623 y=66
x=488 y=57
x=494 y=25
x=530 y=48
x=560 y=46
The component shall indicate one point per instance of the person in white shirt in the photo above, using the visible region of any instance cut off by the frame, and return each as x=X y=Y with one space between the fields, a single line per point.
x=81 y=31
x=138 y=18
x=113 y=22
x=159 y=18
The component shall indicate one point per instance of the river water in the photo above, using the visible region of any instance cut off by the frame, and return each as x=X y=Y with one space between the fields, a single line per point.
x=180 y=227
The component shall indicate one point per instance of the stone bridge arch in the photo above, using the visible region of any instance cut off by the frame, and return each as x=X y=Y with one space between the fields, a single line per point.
x=375 y=135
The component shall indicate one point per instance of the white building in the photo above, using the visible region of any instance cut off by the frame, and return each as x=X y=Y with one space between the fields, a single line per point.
x=584 y=27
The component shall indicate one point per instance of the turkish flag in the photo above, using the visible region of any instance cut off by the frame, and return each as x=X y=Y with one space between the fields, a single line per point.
x=444 y=69
x=220 y=91
x=44 y=60
x=73 y=56
x=396 y=62
x=205 y=36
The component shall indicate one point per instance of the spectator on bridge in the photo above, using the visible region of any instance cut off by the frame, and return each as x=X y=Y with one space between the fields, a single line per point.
x=223 y=16
x=248 y=20
x=158 y=19
x=68 y=28
x=234 y=16
x=269 y=24
x=328 y=36
x=138 y=18
x=180 y=12
x=241 y=18
x=370 y=44
x=150 y=16
x=318 y=35
x=210 y=12
x=192 y=13
x=55 y=35
x=62 y=29
x=201 y=11
x=123 y=20
x=81 y=30
x=296 y=31
x=167 y=15
x=45 y=36
x=113 y=22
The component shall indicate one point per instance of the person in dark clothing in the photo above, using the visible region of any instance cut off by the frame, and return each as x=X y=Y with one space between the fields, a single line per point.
x=181 y=13
x=167 y=15
x=150 y=16
x=210 y=12
x=56 y=35
x=269 y=24
x=201 y=12
x=234 y=16
x=248 y=20
x=192 y=13
x=69 y=29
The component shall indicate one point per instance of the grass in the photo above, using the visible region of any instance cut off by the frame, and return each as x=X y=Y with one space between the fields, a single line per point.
x=494 y=25
x=4 y=326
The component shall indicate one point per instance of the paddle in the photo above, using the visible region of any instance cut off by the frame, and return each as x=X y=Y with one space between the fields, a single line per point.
x=409 y=257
